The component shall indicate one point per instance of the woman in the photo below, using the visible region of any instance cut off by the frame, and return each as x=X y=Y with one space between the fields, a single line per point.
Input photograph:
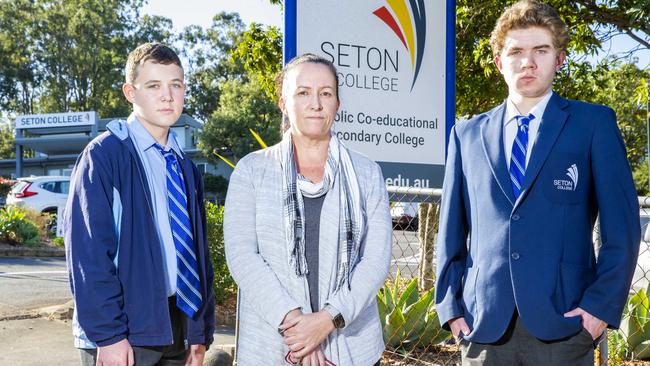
x=307 y=233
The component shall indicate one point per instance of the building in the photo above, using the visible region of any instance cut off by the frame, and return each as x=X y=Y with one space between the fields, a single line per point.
x=57 y=139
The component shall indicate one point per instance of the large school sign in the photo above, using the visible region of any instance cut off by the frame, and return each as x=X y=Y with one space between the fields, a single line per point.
x=395 y=60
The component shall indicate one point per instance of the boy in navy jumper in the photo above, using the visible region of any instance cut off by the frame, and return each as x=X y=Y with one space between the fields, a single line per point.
x=135 y=231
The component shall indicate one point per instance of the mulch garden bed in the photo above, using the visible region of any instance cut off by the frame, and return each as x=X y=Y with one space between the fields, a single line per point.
x=438 y=356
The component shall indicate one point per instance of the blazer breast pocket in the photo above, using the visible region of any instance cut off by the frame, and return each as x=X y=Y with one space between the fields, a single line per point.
x=566 y=178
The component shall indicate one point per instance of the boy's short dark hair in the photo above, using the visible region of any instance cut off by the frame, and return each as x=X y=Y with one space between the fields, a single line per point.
x=155 y=52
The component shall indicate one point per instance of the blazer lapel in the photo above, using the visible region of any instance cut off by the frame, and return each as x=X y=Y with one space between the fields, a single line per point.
x=492 y=136
x=552 y=123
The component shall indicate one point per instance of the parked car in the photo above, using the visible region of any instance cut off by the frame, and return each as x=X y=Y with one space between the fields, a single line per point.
x=404 y=215
x=43 y=194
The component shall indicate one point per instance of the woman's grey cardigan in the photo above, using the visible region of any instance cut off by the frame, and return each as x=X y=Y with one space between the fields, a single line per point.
x=257 y=255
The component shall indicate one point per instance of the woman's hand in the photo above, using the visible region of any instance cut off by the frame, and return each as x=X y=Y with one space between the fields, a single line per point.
x=315 y=358
x=305 y=332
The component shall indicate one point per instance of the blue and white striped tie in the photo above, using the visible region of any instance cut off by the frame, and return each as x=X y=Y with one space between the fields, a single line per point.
x=188 y=296
x=518 y=157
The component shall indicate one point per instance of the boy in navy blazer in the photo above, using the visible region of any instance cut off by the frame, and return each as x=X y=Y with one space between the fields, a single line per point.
x=135 y=231
x=518 y=279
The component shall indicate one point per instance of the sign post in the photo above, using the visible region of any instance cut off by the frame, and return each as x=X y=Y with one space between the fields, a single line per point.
x=395 y=62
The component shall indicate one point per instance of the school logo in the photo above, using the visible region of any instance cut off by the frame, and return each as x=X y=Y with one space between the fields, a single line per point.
x=407 y=19
x=568 y=185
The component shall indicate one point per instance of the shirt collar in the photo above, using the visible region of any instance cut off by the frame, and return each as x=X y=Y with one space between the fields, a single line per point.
x=537 y=110
x=144 y=140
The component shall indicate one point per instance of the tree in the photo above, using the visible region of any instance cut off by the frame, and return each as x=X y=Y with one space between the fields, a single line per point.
x=68 y=55
x=7 y=141
x=208 y=52
x=242 y=106
x=247 y=100
x=260 y=52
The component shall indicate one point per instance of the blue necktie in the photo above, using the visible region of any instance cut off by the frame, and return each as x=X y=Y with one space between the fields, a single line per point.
x=518 y=157
x=188 y=296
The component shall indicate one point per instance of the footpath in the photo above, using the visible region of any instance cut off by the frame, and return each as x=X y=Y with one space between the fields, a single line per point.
x=43 y=336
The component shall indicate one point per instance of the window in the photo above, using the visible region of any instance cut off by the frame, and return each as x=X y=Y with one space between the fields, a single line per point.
x=18 y=187
x=65 y=187
x=56 y=187
x=49 y=186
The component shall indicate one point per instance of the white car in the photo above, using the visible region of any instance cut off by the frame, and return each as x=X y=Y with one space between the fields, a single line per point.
x=42 y=194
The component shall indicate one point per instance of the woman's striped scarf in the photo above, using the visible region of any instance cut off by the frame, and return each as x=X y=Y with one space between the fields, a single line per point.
x=339 y=179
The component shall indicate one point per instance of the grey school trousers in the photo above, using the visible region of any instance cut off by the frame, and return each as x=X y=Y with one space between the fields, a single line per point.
x=520 y=348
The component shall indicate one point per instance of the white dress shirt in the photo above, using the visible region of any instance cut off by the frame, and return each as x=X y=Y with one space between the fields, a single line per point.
x=510 y=126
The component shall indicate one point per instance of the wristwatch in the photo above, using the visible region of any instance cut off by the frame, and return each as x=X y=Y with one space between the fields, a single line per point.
x=337 y=318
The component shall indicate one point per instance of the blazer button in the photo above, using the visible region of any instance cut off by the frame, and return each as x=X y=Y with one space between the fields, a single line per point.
x=515 y=217
x=515 y=255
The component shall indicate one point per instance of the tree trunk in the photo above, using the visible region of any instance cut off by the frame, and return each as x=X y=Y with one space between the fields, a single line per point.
x=427 y=230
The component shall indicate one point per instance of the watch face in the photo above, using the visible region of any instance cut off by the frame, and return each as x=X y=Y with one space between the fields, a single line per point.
x=339 y=322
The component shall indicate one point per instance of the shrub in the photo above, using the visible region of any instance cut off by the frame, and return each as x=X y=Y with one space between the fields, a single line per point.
x=5 y=185
x=58 y=241
x=215 y=184
x=16 y=228
x=224 y=285
x=633 y=338
x=409 y=320
x=42 y=220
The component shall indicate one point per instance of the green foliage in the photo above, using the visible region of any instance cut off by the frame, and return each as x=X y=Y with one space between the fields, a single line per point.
x=7 y=144
x=58 y=241
x=69 y=55
x=260 y=52
x=409 y=320
x=215 y=184
x=224 y=285
x=16 y=229
x=243 y=106
x=208 y=52
x=43 y=221
x=635 y=328
x=246 y=102
x=5 y=186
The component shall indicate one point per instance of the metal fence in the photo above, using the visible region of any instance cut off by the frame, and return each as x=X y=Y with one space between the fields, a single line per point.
x=406 y=304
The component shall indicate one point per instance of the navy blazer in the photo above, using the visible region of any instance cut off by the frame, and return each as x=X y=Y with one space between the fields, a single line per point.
x=535 y=254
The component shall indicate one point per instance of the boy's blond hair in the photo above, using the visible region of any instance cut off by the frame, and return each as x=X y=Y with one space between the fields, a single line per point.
x=526 y=14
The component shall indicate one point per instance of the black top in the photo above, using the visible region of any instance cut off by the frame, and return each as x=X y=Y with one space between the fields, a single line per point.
x=313 y=208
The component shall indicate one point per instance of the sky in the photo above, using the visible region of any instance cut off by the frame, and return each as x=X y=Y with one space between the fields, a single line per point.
x=200 y=12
